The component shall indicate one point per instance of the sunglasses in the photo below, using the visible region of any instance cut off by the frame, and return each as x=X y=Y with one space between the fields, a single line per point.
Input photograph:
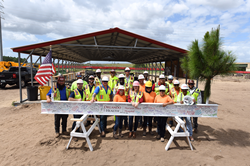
x=105 y=81
x=162 y=90
x=176 y=85
x=191 y=84
x=91 y=79
x=127 y=71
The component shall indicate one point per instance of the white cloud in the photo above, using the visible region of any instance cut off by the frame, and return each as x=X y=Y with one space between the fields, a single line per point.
x=20 y=36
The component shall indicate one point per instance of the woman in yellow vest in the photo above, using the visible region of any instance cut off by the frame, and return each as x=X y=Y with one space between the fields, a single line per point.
x=113 y=79
x=158 y=84
x=135 y=97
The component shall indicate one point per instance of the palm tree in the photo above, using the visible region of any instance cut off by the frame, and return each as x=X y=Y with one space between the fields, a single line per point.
x=207 y=60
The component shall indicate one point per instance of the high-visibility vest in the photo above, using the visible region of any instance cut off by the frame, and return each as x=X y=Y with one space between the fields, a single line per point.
x=180 y=97
x=126 y=86
x=57 y=94
x=195 y=94
x=88 y=93
x=138 y=97
x=170 y=85
x=174 y=93
x=102 y=95
x=78 y=95
x=130 y=82
x=97 y=81
x=157 y=91
x=112 y=82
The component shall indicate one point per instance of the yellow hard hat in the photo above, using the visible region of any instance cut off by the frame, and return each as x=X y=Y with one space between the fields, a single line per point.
x=148 y=84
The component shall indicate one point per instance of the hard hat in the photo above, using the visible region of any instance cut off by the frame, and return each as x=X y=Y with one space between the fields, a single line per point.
x=105 y=78
x=141 y=77
x=148 y=84
x=184 y=86
x=121 y=87
x=121 y=76
x=176 y=82
x=162 y=87
x=127 y=68
x=78 y=74
x=98 y=71
x=191 y=81
x=136 y=83
x=79 y=81
x=91 y=76
x=112 y=70
x=61 y=78
x=145 y=72
x=170 y=77
x=161 y=76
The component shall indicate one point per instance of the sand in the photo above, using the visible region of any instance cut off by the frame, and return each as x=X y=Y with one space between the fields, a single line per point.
x=27 y=137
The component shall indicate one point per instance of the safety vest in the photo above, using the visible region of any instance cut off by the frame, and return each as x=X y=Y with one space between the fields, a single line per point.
x=130 y=82
x=170 y=85
x=78 y=95
x=102 y=95
x=112 y=82
x=88 y=93
x=97 y=81
x=157 y=91
x=57 y=94
x=126 y=86
x=174 y=93
x=138 y=97
x=195 y=93
x=180 y=97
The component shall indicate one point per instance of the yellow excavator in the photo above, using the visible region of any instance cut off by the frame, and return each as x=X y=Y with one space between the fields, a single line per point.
x=5 y=65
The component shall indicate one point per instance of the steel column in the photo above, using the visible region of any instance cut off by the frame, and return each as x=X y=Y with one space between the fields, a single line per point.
x=31 y=70
x=19 y=72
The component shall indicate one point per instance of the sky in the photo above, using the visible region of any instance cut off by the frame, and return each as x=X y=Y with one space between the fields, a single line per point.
x=170 y=21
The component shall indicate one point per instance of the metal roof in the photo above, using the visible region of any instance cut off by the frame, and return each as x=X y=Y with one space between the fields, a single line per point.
x=108 y=45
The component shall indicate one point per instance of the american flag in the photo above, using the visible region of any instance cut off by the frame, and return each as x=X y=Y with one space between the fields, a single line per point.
x=46 y=70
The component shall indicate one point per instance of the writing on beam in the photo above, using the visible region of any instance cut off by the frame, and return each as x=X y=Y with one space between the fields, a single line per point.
x=126 y=109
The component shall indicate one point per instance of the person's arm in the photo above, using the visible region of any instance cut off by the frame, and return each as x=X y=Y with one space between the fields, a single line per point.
x=48 y=99
x=96 y=91
x=111 y=96
x=169 y=101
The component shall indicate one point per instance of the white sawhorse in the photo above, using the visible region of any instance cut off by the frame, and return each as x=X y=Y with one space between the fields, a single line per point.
x=175 y=133
x=85 y=134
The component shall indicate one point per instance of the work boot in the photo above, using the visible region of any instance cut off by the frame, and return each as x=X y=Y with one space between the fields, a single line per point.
x=134 y=135
x=130 y=134
x=103 y=134
x=57 y=135
x=162 y=139
x=144 y=131
x=195 y=130
x=65 y=133
x=120 y=133
x=150 y=130
x=114 y=135
x=158 y=137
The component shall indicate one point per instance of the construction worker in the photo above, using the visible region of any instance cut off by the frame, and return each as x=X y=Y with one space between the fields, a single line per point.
x=148 y=97
x=170 y=82
x=103 y=93
x=158 y=84
x=119 y=97
x=129 y=79
x=179 y=99
x=196 y=93
x=135 y=97
x=74 y=84
x=60 y=93
x=145 y=74
x=98 y=78
x=174 y=91
x=77 y=95
x=89 y=90
x=142 y=84
x=112 y=80
x=166 y=100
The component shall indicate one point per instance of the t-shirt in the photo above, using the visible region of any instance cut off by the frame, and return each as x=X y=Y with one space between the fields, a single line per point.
x=142 y=88
x=149 y=97
x=119 y=98
x=164 y=99
x=72 y=94
x=97 y=89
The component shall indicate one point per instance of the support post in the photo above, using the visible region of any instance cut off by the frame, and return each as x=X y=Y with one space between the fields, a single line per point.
x=31 y=70
x=197 y=82
x=19 y=72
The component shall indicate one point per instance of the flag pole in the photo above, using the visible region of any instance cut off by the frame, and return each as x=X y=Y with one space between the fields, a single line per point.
x=52 y=86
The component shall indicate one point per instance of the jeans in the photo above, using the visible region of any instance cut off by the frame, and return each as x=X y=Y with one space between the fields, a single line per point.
x=125 y=118
x=131 y=123
x=195 y=121
x=103 y=122
x=74 y=123
x=57 y=122
x=147 y=120
x=140 y=120
x=118 y=122
x=161 y=126
x=189 y=125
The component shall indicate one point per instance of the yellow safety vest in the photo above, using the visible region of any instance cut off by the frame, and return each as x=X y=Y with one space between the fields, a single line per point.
x=57 y=94
x=102 y=95
x=97 y=81
x=157 y=91
x=130 y=82
x=174 y=93
x=112 y=82
x=138 y=97
x=170 y=85
x=78 y=95
x=196 y=94
x=88 y=93
x=180 y=97
x=126 y=86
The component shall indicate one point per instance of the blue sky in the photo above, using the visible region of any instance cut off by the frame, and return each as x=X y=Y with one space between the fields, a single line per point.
x=174 y=22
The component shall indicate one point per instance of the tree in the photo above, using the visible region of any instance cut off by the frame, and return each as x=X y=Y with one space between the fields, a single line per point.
x=207 y=60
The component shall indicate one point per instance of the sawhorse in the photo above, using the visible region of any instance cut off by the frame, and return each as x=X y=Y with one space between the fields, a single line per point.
x=175 y=133
x=85 y=134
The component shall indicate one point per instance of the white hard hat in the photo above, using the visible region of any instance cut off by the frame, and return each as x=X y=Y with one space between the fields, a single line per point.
x=145 y=72
x=170 y=77
x=91 y=76
x=162 y=87
x=161 y=76
x=105 y=78
x=78 y=74
x=176 y=82
x=141 y=77
x=127 y=68
x=184 y=86
x=79 y=81
x=121 y=76
x=121 y=87
x=98 y=71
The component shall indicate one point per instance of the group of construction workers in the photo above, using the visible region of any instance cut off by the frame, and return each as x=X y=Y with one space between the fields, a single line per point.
x=125 y=89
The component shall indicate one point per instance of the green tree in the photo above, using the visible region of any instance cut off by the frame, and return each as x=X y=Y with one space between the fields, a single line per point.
x=207 y=60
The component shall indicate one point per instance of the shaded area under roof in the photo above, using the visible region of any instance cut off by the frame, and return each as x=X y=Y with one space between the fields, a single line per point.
x=108 y=45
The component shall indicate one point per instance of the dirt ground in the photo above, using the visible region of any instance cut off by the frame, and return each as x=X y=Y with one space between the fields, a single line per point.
x=27 y=137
